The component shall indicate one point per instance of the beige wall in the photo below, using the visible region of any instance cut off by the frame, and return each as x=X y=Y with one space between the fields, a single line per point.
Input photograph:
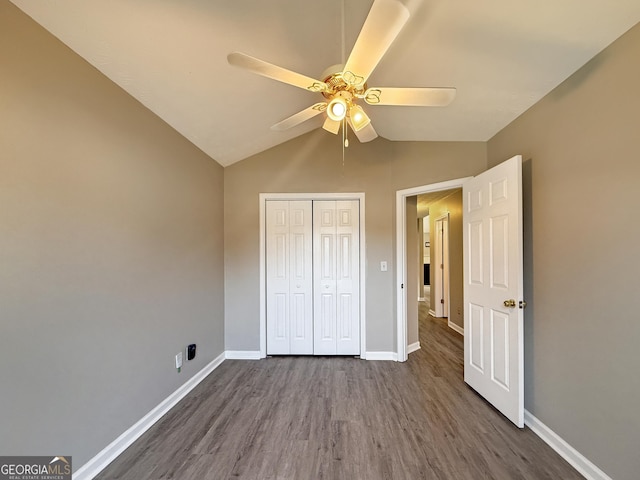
x=313 y=163
x=582 y=256
x=452 y=205
x=110 y=251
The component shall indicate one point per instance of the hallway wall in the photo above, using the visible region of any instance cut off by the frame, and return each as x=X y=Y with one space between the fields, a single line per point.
x=452 y=205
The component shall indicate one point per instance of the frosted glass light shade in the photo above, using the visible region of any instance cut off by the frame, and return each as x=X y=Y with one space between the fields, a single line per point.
x=337 y=108
x=359 y=119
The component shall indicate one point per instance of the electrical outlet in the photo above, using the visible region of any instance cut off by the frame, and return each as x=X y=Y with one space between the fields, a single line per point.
x=179 y=361
x=191 y=351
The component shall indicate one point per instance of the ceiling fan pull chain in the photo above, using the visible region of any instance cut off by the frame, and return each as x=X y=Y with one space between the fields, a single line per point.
x=343 y=153
x=344 y=132
x=345 y=140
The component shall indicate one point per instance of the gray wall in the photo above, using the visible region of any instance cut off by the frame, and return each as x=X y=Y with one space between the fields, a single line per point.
x=110 y=251
x=411 y=240
x=313 y=163
x=111 y=247
x=451 y=204
x=582 y=256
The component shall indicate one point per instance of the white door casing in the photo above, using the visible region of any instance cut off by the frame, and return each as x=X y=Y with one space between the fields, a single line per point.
x=336 y=274
x=289 y=277
x=493 y=278
x=401 y=256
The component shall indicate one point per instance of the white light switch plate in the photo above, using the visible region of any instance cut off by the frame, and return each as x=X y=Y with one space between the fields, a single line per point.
x=383 y=266
x=179 y=360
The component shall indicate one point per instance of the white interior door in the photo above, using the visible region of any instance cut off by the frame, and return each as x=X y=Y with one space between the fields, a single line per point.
x=441 y=293
x=493 y=290
x=289 y=277
x=336 y=269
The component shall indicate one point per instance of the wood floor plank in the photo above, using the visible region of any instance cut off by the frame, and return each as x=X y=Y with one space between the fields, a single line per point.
x=340 y=418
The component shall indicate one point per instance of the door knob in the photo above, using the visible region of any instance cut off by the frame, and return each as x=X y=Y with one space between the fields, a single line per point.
x=509 y=303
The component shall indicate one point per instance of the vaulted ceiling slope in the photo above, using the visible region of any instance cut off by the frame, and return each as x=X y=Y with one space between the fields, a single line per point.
x=171 y=55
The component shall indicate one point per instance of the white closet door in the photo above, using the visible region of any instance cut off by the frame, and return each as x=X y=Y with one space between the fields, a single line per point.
x=336 y=277
x=289 y=277
x=348 y=277
x=324 y=274
x=301 y=277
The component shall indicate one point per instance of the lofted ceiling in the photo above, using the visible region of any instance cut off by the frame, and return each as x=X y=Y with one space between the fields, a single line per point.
x=171 y=55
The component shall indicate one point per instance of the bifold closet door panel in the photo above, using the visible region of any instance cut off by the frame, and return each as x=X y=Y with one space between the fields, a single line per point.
x=301 y=277
x=336 y=269
x=289 y=277
x=348 y=277
x=277 y=246
x=324 y=274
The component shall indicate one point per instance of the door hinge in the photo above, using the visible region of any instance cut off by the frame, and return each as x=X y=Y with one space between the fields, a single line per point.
x=442 y=300
x=402 y=285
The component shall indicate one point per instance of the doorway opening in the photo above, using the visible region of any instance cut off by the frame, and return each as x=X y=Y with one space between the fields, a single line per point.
x=405 y=296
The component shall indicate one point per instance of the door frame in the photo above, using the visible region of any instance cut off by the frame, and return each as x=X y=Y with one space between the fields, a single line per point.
x=401 y=255
x=263 y=197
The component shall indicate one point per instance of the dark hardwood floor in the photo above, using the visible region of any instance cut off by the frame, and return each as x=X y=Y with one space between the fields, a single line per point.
x=340 y=418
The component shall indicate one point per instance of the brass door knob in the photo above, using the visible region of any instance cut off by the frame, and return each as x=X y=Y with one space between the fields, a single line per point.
x=509 y=303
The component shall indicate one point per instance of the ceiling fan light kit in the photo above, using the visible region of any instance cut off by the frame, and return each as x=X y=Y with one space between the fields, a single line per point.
x=342 y=85
x=337 y=108
x=359 y=119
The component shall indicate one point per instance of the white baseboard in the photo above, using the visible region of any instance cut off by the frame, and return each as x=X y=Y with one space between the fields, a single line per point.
x=582 y=464
x=393 y=356
x=413 y=347
x=98 y=463
x=432 y=313
x=242 y=354
x=455 y=327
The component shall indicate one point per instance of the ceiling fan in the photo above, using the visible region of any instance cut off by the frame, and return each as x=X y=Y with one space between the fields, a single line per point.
x=342 y=86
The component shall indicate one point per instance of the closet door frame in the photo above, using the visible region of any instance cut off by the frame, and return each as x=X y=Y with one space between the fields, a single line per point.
x=263 y=198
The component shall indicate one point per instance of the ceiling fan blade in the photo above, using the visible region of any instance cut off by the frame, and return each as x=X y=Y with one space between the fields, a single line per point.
x=365 y=134
x=332 y=126
x=426 y=97
x=300 y=117
x=383 y=24
x=274 y=72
